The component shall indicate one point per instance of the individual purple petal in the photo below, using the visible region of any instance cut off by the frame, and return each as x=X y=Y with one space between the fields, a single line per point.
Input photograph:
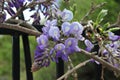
x=64 y=57
x=46 y=62
x=89 y=45
x=38 y=52
x=92 y=60
x=18 y=3
x=67 y=15
x=113 y=37
x=36 y=17
x=60 y=52
x=105 y=52
x=66 y=28
x=79 y=37
x=76 y=28
x=71 y=45
x=60 y=47
x=10 y=11
x=54 y=32
x=42 y=41
x=45 y=30
x=10 y=3
x=49 y=23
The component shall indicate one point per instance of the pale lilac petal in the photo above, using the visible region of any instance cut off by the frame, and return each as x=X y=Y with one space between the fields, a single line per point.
x=67 y=15
x=66 y=28
x=54 y=32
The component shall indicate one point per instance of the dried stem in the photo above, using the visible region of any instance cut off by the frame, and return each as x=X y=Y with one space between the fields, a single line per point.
x=71 y=67
x=102 y=73
x=74 y=69
x=104 y=63
x=20 y=28
x=21 y=23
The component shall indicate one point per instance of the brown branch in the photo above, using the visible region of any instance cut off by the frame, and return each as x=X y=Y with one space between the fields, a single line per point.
x=75 y=75
x=104 y=63
x=21 y=23
x=102 y=73
x=74 y=69
x=20 y=28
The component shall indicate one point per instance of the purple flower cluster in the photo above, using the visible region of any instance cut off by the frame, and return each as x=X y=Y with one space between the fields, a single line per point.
x=64 y=41
x=112 y=50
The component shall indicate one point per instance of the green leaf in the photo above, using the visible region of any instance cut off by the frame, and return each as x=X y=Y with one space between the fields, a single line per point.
x=101 y=16
x=73 y=8
x=113 y=29
x=105 y=26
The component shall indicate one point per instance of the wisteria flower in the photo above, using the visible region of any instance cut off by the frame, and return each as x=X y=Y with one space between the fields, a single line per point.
x=42 y=41
x=113 y=37
x=45 y=30
x=67 y=15
x=36 y=17
x=2 y=17
x=89 y=45
x=47 y=26
x=49 y=23
x=79 y=36
x=76 y=28
x=54 y=32
x=71 y=45
x=40 y=59
x=10 y=11
x=10 y=3
x=66 y=28
x=60 y=52
x=17 y=3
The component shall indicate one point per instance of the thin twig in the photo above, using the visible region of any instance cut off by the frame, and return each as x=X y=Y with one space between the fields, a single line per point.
x=104 y=63
x=21 y=23
x=71 y=67
x=30 y=5
x=92 y=9
x=102 y=73
x=19 y=28
x=74 y=69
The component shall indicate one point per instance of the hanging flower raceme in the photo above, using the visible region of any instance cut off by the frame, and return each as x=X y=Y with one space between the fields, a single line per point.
x=112 y=53
x=41 y=59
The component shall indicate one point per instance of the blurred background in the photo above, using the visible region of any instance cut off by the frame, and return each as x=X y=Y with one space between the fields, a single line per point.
x=49 y=73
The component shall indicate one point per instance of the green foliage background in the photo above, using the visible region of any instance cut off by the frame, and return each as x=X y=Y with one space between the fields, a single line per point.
x=80 y=9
